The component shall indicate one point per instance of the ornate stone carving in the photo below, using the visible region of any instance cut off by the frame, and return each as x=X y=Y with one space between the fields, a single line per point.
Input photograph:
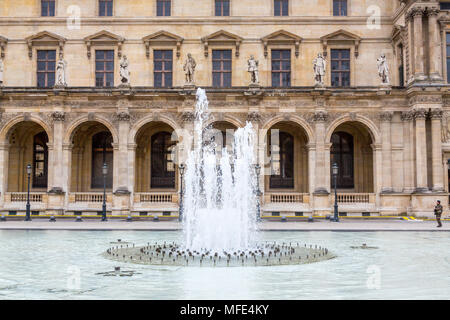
x=407 y=116
x=436 y=114
x=123 y=116
x=383 y=69
x=429 y=99
x=61 y=73
x=253 y=70
x=58 y=116
x=420 y=113
x=1 y=71
x=188 y=116
x=124 y=72
x=386 y=116
x=320 y=116
x=254 y=117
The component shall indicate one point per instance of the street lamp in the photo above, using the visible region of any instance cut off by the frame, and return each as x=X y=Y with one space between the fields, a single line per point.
x=258 y=193
x=27 y=217
x=335 y=171
x=105 y=172
x=182 y=167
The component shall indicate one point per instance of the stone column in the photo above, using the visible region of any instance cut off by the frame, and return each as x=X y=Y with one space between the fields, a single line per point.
x=419 y=73
x=122 y=153
x=4 y=160
x=421 y=154
x=67 y=170
x=436 y=158
x=434 y=44
x=321 y=187
x=408 y=151
x=131 y=170
x=386 y=118
x=56 y=163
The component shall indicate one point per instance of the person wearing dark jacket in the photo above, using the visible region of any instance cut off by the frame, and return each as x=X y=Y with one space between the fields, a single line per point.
x=438 y=213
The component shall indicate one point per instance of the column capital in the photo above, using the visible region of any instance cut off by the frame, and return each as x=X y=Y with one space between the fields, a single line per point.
x=407 y=115
x=386 y=116
x=432 y=11
x=420 y=113
x=415 y=13
x=436 y=114
x=123 y=116
x=58 y=116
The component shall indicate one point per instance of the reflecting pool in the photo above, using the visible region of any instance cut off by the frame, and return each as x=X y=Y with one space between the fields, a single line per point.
x=65 y=265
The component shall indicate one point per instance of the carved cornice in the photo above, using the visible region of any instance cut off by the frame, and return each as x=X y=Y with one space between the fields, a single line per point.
x=422 y=99
x=407 y=116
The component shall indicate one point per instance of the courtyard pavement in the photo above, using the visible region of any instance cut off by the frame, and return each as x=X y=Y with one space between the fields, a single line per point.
x=318 y=225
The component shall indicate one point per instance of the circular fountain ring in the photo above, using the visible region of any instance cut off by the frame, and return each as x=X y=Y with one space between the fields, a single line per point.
x=264 y=254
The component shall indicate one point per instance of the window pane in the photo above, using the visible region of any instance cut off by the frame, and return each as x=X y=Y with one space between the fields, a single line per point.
x=276 y=65
x=286 y=54
x=51 y=66
x=41 y=65
x=99 y=66
x=52 y=8
x=218 y=8
x=346 y=65
x=286 y=79
x=99 y=54
x=345 y=54
x=216 y=79
x=334 y=65
x=227 y=65
x=227 y=79
x=101 y=9
x=346 y=79
x=285 y=8
x=109 y=54
x=168 y=65
x=109 y=79
x=41 y=54
x=275 y=79
x=334 y=54
x=157 y=54
x=109 y=8
x=216 y=54
x=276 y=54
x=277 y=8
x=41 y=80
x=216 y=65
x=99 y=79
x=226 y=8
x=335 y=79
x=168 y=79
x=50 y=79
x=110 y=66
x=158 y=80
x=286 y=65
x=158 y=65
x=44 y=8
x=167 y=7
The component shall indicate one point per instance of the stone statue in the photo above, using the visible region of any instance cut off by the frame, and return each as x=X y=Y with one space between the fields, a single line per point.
x=320 y=67
x=124 y=72
x=61 y=73
x=383 y=69
x=1 y=72
x=189 y=69
x=253 y=69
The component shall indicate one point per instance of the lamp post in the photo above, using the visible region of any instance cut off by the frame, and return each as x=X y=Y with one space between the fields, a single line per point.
x=335 y=171
x=258 y=193
x=105 y=172
x=182 y=167
x=27 y=216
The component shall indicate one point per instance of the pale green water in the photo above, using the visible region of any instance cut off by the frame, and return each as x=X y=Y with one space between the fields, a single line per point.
x=408 y=265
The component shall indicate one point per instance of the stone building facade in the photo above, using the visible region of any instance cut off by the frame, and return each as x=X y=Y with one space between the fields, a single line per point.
x=391 y=140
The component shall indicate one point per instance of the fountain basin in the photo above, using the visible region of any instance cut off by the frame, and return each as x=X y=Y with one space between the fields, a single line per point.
x=263 y=254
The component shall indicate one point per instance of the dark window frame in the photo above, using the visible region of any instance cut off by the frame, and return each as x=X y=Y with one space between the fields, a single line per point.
x=281 y=8
x=341 y=157
x=284 y=180
x=105 y=8
x=222 y=8
x=340 y=8
x=48 y=70
x=105 y=71
x=102 y=147
x=444 y=5
x=48 y=8
x=160 y=150
x=277 y=55
x=40 y=139
x=165 y=72
x=340 y=71
x=225 y=74
x=163 y=8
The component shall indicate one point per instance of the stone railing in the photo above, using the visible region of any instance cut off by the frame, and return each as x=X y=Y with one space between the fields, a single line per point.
x=155 y=197
x=355 y=198
x=22 y=197
x=289 y=197
x=92 y=197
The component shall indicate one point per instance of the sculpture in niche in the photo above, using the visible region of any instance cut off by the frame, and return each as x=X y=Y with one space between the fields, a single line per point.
x=124 y=72
x=1 y=72
x=320 y=67
x=61 y=72
x=383 y=69
x=189 y=69
x=253 y=70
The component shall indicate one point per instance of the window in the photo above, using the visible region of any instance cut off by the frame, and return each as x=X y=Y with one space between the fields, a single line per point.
x=401 y=68
x=282 y=161
x=48 y=8
x=102 y=152
x=445 y=5
x=40 y=160
x=46 y=62
x=340 y=67
x=104 y=68
x=162 y=163
x=222 y=8
x=339 y=7
x=342 y=154
x=281 y=7
x=281 y=68
x=221 y=60
x=105 y=8
x=448 y=57
x=162 y=61
x=163 y=8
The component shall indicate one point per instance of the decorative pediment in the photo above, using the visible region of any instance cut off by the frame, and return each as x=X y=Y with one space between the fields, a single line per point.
x=282 y=37
x=222 y=38
x=45 y=38
x=340 y=36
x=3 y=42
x=104 y=38
x=162 y=38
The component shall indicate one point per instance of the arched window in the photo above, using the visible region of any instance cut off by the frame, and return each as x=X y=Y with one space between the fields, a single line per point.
x=102 y=152
x=282 y=160
x=342 y=154
x=40 y=160
x=162 y=162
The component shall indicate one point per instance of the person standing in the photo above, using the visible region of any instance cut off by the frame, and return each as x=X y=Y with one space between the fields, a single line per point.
x=438 y=212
